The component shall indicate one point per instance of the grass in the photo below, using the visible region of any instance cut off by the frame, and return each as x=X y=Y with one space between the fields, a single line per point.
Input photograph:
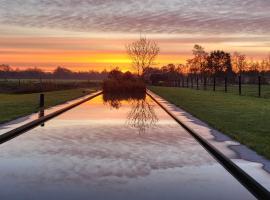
x=244 y=118
x=247 y=89
x=13 y=106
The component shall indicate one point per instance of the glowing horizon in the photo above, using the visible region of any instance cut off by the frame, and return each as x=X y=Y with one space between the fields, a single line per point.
x=92 y=35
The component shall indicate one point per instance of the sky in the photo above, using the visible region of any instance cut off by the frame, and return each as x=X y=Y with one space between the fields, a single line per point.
x=87 y=35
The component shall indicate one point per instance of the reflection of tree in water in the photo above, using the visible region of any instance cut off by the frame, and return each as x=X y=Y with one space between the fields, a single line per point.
x=114 y=103
x=142 y=114
x=115 y=99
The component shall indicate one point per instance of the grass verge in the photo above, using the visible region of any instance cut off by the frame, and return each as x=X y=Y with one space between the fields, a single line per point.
x=246 y=119
x=13 y=106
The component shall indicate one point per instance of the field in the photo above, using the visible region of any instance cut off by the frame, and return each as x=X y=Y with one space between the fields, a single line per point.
x=13 y=106
x=247 y=90
x=244 y=118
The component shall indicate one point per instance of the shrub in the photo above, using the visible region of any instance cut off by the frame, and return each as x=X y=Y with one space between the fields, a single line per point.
x=118 y=82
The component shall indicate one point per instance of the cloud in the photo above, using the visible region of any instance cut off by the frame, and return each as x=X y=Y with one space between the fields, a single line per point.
x=58 y=27
x=106 y=152
x=147 y=16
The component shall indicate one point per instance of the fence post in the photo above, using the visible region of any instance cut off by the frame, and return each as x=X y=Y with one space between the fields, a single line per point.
x=204 y=82
x=214 y=88
x=41 y=107
x=183 y=81
x=187 y=82
x=259 y=84
x=41 y=101
x=226 y=84
x=197 y=80
x=240 y=84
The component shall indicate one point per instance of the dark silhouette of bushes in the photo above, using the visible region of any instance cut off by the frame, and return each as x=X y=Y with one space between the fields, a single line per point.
x=7 y=72
x=115 y=99
x=119 y=82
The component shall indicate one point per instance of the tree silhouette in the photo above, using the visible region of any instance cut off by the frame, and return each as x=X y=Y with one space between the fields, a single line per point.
x=218 y=62
x=239 y=62
x=198 y=62
x=142 y=53
x=61 y=72
x=142 y=115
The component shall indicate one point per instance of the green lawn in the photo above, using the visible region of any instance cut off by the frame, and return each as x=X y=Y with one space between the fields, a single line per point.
x=13 y=106
x=247 y=89
x=244 y=118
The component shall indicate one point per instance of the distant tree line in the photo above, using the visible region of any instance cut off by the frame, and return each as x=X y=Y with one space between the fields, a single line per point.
x=6 y=72
x=217 y=63
x=220 y=62
x=143 y=53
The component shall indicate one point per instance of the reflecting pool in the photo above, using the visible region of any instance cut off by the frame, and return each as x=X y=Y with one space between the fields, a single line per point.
x=112 y=148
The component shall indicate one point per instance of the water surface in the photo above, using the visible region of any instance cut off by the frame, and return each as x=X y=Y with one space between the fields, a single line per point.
x=112 y=150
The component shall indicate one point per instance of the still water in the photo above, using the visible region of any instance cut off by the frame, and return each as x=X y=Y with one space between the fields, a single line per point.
x=111 y=148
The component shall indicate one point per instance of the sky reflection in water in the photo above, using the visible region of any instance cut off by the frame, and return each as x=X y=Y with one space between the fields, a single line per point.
x=98 y=152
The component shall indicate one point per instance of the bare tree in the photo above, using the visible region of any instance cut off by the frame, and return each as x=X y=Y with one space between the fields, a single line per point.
x=5 y=68
x=254 y=66
x=265 y=64
x=142 y=53
x=179 y=68
x=239 y=62
x=268 y=62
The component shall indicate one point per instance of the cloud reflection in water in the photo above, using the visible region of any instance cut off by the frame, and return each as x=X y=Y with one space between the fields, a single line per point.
x=141 y=116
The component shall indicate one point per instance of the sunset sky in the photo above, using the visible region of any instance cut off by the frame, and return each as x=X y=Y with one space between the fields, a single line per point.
x=92 y=34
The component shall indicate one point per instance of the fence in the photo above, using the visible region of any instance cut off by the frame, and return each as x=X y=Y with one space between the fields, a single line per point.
x=246 y=85
x=43 y=85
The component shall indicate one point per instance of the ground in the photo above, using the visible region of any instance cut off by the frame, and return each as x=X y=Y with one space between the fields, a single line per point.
x=244 y=118
x=13 y=106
